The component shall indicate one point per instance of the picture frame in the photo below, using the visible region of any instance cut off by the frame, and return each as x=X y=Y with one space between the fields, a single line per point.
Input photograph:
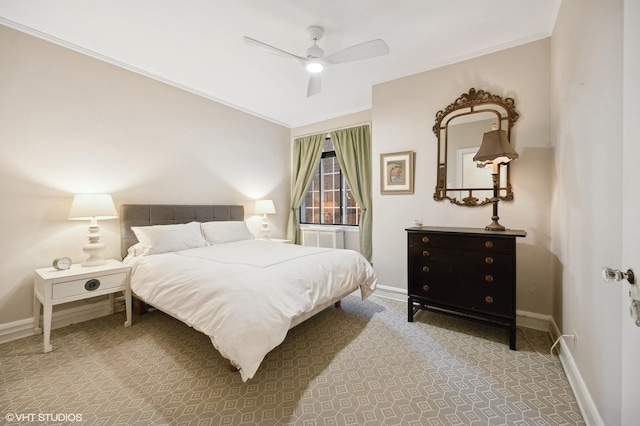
x=397 y=172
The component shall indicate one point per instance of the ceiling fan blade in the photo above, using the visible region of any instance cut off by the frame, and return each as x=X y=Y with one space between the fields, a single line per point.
x=271 y=49
x=366 y=50
x=315 y=84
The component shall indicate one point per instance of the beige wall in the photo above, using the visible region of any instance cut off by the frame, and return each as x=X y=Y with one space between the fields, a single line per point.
x=586 y=211
x=403 y=114
x=70 y=124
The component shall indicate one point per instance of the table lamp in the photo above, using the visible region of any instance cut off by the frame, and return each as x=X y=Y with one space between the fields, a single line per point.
x=495 y=150
x=93 y=207
x=265 y=207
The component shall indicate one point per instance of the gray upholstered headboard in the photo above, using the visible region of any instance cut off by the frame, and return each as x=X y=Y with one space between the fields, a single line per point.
x=166 y=214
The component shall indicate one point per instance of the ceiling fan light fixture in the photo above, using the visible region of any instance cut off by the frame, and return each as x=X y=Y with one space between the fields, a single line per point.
x=314 y=67
x=315 y=59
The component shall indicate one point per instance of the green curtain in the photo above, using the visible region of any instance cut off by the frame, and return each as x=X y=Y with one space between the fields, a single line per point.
x=306 y=156
x=353 y=149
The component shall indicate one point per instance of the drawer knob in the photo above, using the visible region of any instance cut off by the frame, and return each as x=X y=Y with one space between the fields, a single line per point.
x=488 y=244
x=92 y=285
x=425 y=239
x=488 y=278
x=425 y=287
x=425 y=269
x=425 y=253
x=488 y=299
x=488 y=260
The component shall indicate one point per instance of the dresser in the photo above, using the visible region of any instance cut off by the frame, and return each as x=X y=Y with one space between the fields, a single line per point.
x=467 y=272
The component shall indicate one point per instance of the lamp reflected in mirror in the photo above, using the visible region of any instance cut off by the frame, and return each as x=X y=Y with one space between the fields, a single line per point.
x=495 y=151
x=459 y=129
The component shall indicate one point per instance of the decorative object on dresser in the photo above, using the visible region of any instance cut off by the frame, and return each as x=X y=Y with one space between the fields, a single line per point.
x=93 y=207
x=467 y=272
x=53 y=286
x=460 y=128
x=396 y=172
x=496 y=151
x=265 y=207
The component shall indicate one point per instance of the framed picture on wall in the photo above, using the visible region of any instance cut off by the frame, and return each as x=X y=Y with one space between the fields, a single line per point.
x=396 y=172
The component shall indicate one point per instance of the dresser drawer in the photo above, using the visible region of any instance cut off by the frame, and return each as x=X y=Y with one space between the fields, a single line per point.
x=454 y=274
x=463 y=242
x=470 y=299
x=419 y=256
x=87 y=286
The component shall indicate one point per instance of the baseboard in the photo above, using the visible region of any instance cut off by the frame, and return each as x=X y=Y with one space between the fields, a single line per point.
x=583 y=397
x=389 y=292
x=24 y=328
x=534 y=321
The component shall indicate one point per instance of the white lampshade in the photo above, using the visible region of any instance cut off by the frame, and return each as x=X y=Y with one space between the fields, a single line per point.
x=265 y=207
x=92 y=206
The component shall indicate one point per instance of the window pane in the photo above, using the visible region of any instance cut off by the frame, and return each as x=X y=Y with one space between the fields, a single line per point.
x=328 y=199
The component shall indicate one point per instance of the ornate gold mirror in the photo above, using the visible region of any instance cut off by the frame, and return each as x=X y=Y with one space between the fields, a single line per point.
x=459 y=129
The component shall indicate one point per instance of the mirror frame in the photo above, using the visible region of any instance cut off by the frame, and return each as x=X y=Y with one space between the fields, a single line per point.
x=472 y=101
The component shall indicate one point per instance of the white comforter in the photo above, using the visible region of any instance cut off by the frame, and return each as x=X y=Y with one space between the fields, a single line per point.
x=245 y=294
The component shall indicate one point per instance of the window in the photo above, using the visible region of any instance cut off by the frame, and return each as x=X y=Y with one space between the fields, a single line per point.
x=328 y=200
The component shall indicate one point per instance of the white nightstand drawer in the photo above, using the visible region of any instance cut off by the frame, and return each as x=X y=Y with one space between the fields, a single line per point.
x=87 y=286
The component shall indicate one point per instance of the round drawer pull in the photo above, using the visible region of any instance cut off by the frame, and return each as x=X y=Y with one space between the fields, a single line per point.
x=488 y=299
x=425 y=239
x=92 y=285
x=425 y=269
x=488 y=278
x=488 y=260
x=488 y=244
x=425 y=287
x=426 y=253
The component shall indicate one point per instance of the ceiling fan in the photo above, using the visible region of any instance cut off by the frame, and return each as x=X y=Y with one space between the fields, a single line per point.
x=315 y=60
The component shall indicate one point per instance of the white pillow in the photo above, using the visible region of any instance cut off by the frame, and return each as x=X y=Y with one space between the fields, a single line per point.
x=136 y=250
x=165 y=238
x=226 y=231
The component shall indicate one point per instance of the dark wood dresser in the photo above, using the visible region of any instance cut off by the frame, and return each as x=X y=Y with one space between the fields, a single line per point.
x=466 y=272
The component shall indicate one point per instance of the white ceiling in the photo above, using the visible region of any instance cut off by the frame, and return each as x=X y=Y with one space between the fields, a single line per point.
x=198 y=44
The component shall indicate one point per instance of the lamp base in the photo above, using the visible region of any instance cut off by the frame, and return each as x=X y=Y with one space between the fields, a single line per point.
x=264 y=231
x=495 y=226
x=94 y=247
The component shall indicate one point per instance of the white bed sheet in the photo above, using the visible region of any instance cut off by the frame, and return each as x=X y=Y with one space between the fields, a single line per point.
x=245 y=294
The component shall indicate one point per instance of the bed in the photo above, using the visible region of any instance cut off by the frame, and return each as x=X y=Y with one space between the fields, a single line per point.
x=201 y=265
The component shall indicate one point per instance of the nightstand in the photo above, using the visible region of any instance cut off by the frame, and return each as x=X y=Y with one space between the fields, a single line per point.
x=53 y=287
x=275 y=240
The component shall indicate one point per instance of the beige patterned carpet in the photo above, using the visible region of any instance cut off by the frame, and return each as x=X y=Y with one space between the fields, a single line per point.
x=363 y=364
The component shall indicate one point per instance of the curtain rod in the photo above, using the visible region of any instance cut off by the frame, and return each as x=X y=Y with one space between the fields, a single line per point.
x=366 y=123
